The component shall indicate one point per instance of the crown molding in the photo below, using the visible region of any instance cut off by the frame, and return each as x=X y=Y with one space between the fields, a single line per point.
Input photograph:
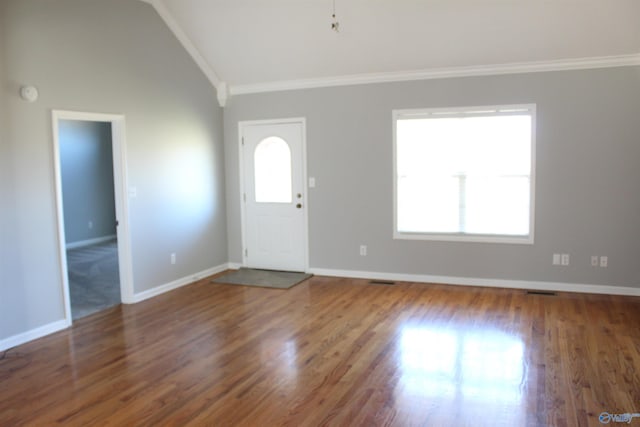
x=176 y=29
x=441 y=73
x=223 y=93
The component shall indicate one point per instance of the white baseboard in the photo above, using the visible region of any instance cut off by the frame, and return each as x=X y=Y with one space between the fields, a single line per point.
x=471 y=281
x=235 y=265
x=33 y=334
x=158 y=290
x=89 y=242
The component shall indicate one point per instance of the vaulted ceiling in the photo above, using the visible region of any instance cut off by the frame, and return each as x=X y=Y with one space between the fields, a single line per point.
x=255 y=45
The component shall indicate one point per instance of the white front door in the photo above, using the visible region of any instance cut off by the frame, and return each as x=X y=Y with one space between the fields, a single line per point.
x=274 y=199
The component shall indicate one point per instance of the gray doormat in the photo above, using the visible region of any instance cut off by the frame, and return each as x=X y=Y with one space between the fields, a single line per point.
x=262 y=278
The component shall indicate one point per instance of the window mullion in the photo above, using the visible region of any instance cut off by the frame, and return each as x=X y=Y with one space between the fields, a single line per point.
x=462 y=202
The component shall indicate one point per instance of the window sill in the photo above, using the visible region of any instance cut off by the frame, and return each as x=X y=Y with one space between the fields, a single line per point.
x=466 y=238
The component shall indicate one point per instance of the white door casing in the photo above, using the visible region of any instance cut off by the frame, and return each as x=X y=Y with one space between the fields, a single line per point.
x=121 y=202
x=274 y=202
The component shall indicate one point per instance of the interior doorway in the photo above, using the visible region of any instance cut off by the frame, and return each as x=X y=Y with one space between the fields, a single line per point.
x=92 y=211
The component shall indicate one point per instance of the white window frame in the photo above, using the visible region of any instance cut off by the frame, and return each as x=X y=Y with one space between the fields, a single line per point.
x=491 y=110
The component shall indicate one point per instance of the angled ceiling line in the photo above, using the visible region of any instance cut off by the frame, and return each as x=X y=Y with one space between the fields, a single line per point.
x=221 y=87
x=441 y=73
x=224 y=90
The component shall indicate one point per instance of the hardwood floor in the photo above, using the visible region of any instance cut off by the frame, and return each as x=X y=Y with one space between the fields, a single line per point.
x=334 y=352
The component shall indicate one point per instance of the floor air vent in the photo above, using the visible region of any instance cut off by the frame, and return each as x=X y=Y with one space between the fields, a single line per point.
x=382 y=282
x=547 y=293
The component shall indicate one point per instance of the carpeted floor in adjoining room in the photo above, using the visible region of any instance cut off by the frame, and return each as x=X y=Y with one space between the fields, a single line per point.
x=94 y=279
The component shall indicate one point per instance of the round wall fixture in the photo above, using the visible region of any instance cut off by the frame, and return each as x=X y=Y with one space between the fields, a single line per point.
x=29 y=93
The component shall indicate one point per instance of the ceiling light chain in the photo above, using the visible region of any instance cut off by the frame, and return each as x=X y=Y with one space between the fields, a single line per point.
x=335 y=25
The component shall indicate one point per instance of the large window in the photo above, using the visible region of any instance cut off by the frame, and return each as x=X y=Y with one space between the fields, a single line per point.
x=465 y=173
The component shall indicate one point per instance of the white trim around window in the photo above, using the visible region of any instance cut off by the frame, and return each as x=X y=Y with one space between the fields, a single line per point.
x=430 y=198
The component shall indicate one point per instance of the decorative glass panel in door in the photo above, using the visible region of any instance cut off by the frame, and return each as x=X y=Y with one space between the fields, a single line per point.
x=272 y=166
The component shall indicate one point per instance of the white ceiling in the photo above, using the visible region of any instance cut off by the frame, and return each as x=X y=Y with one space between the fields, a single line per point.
x=254 y=43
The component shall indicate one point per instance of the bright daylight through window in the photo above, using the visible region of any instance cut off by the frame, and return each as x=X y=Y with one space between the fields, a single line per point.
x=272 y=163
x=465 y=173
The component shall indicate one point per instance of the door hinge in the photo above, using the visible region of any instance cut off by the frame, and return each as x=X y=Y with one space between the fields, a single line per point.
x=246 y=252
x=244 y=197
x=243 y=140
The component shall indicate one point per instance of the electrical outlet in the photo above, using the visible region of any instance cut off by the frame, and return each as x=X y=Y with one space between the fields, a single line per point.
x=363 y=250
x=173 y=258
x=564 y=260
x=604 y=261
x=556 y=259
x=594 y=260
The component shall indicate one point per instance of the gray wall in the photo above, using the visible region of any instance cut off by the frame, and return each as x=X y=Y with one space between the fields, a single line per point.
x=588 y=170
x=113 y=56
x=86 y=169
x=8 y=258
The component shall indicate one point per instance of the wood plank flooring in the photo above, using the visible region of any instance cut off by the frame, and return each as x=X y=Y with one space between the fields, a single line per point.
x=333 y=352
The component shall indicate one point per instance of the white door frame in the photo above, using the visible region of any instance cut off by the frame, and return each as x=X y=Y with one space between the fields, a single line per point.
x=305 y=199
x=121 y=201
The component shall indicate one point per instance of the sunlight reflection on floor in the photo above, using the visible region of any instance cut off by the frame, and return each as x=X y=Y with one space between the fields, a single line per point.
x=482 y=370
